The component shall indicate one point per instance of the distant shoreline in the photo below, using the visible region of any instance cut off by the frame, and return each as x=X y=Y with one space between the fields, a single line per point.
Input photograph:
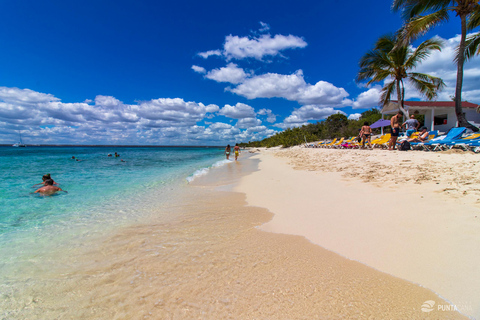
x=109 y=146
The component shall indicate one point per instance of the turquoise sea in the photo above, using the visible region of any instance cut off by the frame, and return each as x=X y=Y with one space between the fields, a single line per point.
x=104 y=193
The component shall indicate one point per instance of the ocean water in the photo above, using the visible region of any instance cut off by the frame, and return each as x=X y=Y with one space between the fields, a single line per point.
x=103 y=194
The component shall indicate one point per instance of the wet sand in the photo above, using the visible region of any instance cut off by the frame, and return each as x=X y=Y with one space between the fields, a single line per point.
x=212 y=262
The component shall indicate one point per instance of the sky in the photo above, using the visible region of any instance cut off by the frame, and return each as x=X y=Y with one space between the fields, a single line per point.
x=183 y=72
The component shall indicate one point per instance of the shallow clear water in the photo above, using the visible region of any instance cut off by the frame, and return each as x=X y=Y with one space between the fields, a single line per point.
x=103 y=193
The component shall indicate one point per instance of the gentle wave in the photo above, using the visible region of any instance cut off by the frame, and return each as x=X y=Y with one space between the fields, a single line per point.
x=204 y=171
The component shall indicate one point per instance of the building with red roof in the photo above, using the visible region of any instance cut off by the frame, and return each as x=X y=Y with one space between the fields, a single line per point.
x=439 y=115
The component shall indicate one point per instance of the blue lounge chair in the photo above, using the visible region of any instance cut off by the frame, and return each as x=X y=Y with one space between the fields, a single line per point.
x=462 y=142
x=452 y=135
x=474 y=146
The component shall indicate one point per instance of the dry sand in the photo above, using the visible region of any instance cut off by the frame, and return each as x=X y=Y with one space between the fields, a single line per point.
x=414 y=215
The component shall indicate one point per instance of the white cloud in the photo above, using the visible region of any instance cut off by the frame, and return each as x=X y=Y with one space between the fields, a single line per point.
x=265 y=27
x=207 y=54
x=239 y=48
x=291 y=87
x=301 y=115
x=354 y=116
x=270 y=116
x=231 y=73
x=43 y=118
x=367 y=100
x=199 y=69
x=239 y=111
x=246 y=123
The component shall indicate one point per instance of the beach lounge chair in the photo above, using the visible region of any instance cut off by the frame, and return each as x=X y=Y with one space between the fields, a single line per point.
x=437 y=144
x=382 y=142
x=463 y=143
x=327 y=145
x=338 y=144
x=474 y=146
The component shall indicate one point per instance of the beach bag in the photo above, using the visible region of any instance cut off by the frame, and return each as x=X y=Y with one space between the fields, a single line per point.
x=404 y=146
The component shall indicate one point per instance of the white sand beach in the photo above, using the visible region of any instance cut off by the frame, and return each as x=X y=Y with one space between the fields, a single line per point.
x=414 y=215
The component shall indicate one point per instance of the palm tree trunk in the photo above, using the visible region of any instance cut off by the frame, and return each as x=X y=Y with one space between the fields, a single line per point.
x=400 y=100
x=462 y=121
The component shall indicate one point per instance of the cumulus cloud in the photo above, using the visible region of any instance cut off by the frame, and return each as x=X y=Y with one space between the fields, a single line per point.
x=257 y=47
x=43 y=118
x=366 y=100
x=199 y=69
x=231 y=73
x=301 y=115
x=291 y=87
x=267 y=112
x=210 y=53
x=239 y=111
x=246 y=123
x=354 y=116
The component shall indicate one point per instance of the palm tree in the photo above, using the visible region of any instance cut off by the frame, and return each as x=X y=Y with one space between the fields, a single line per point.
x=436 y=12
x=393 y=60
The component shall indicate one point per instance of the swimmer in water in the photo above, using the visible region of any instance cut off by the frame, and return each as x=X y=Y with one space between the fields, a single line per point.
x=49 y=188
x=227 y=152
x=45 y=178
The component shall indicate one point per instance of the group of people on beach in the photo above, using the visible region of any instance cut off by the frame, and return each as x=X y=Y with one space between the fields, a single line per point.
x=411 y=125
x=228 y=150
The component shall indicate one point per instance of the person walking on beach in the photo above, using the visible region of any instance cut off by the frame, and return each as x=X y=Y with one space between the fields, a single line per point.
x=49 y=188
x=237 y=151
x=227 y=152
x=411 y=125
x=395 y=124
x=366 y=134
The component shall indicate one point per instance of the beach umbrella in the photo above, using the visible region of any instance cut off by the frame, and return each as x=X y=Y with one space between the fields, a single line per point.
x=380 y=123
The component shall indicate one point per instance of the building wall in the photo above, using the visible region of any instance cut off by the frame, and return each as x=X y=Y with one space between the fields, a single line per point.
x=470 y=114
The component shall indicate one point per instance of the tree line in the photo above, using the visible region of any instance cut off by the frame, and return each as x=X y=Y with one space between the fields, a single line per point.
x=335 y=126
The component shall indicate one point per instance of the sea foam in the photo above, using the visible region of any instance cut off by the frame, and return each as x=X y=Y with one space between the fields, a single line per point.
x=204 y=171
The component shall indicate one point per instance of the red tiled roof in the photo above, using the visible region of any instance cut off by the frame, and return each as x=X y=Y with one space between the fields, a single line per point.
x=465 y=104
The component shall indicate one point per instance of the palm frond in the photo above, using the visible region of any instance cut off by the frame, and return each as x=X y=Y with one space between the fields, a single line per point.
x=419 y=25
x=387 y=92
x=423 y=51
x=426 y=85
x=412 y=8
x=472 y=46
x=474 y=18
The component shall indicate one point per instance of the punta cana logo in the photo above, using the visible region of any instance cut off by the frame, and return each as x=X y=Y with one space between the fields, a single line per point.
x=427 y=306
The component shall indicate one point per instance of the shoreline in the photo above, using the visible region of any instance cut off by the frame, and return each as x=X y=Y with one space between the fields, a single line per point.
x=316 y=193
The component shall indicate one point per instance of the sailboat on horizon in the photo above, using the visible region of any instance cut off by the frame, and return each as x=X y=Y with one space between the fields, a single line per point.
x=20 y=143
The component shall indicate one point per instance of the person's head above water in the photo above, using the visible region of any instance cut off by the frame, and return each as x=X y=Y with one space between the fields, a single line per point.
x=46 y=177
x=49 y=182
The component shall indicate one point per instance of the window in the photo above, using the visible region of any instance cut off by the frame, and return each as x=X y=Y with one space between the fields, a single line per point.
x=440 y=119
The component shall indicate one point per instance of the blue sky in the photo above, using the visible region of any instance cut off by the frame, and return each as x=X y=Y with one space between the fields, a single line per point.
x=190 y=72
